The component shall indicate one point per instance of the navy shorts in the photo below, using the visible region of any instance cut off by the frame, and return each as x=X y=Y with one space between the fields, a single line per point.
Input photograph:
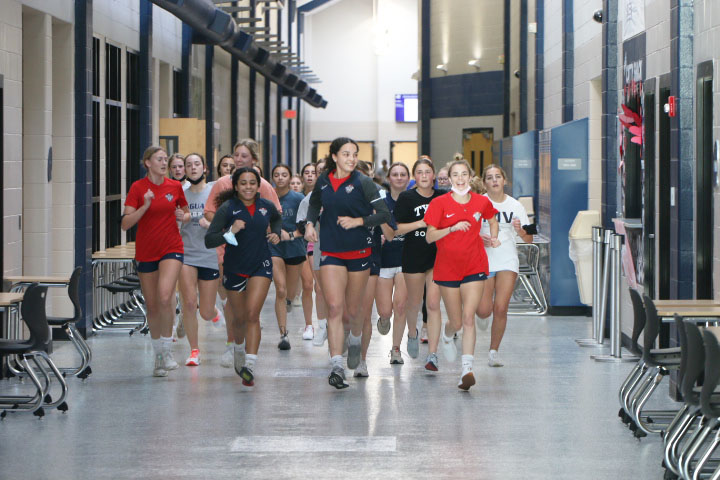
x=237 y=282
x=294 y=260
x=149 y=267
x=351 y=264
x=375 y=268
x=205 y=273
x=475 y=277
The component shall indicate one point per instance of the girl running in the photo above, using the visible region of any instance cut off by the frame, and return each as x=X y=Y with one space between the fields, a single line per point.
x=348 y=200
x=177 y=168
x=241 y=221
x=391 y=278
x=418 y=259
x=454 y=221
x=155 y=203
x=503 y=261
x=296 y=184
x=308 y=177
x=225 y=166
x=200 y=265
x=289 y=255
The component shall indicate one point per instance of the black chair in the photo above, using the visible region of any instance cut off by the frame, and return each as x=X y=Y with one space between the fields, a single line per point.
x=68 y=325
x=129 y=285
x=640 y=369
x=35 y=348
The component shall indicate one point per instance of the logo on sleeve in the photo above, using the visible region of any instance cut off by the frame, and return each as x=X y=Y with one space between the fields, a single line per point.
x=349 y=188
x=169 y=197
x=263 y=211
x=477 y=216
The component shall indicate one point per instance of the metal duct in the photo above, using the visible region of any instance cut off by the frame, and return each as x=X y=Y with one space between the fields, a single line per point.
x=219 y=28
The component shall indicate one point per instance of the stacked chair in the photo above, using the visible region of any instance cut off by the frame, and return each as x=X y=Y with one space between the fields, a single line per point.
x=32 y=356
x=112 y=318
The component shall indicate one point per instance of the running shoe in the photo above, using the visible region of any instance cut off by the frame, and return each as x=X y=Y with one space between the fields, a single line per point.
x=448 y=348
x=284 y=342
x=353 y=358
x=159 y=370
x=467 y=379
x=320 y=337
x=482 y=323
x=337 y=378
x=383 y=325
x=226 y=360
x=361 y=370
x=413 y=345
x=396 y=356
x=180 y=326
x=248 y=379
x=423 y=335
x=194 y=358
x=169 y=361
x=308 y=333
x=288 y=305
x=494 y=359
x=238 y=360
x=297 y=301
x=219 y=319
x=431 y=363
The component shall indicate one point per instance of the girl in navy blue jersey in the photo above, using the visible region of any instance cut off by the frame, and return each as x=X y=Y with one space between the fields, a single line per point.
x=391 y=292
x=351 y=205
x=241 y=221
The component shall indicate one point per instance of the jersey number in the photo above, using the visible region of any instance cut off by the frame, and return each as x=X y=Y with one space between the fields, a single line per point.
x=419 y=233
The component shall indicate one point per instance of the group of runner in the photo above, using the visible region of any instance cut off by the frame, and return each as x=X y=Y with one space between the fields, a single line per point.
x=333 y=231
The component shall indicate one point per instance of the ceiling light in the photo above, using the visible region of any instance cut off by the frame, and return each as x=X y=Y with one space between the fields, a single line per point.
x=443 y=67
x=475 y=62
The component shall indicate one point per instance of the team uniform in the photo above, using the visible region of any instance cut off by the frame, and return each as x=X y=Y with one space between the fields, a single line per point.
x=293 y=251
x=193 y=235
x=158 y=237
x=461 y=256
x=418 y=256
x=505 y=257
x=353 y=196
x=391 y=251
x=251 y=256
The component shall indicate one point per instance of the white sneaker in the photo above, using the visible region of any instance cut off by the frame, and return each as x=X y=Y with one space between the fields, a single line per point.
x=467 y=379
x=494 y=359
x=159 y=370
x=297 y=301
x=448 y=348
x=227 y=359
x=169 y=361
x=308 y=333
x=320 y=337
x=361 y=370
x=482 y=323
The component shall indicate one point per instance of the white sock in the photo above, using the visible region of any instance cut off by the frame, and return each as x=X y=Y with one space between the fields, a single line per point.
x=240 y=347
x=491 y=352
x=353 y=340
x=336 y=361
x=445 y=337
x=250 y=360
x=157 y=345
x=166 y=343
x=467 y=361
x=322 y=323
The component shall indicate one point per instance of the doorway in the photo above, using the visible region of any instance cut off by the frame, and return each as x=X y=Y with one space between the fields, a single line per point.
x=477 y=146
x=664 y=204
x=704 y=178
x=403 y=152
x=648 y=212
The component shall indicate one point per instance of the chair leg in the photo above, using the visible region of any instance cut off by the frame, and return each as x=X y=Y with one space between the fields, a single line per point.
x=706 y=454
x=644 y=425
x=675 y=436
x=692 y=448
x=63 y=384
x=635 y=377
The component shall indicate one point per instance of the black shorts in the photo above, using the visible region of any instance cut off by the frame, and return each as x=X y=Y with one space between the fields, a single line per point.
x=352 y=264
x=237 y=282
x=375 y=267
x=294 y=260
x=475 y=277
x=149 y=267
x=418 y=265
x=205 y=273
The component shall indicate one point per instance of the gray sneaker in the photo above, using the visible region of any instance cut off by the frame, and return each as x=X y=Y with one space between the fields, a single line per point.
x=168 y=360
x=383 y=325
x=448 y=348
x=361 y=370
x=431 y=363
x=238 y=360
x=396 y=356
x=353 y=358
x=413 y=345
x=159 y=370
x=337 y=378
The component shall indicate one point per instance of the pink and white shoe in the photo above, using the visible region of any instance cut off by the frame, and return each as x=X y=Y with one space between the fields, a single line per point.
x=194 y=358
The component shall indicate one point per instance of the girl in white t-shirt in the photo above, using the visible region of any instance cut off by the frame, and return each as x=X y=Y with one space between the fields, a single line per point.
x=503 y=260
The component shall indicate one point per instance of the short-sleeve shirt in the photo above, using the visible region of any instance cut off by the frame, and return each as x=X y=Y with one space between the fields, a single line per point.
x=459 y=253
x=193 y=235
x=505 y=257
x=157 y=230
x=410 y=207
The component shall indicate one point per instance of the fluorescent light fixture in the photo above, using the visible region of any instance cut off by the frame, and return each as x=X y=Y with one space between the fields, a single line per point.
x=475 y=62
x=442 y=67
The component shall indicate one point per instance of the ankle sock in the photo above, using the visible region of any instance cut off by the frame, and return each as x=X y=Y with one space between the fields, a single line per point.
x=353 y=340
x=166 y=343
x=467 y=361
x=156 y=345
x=250 y=360
x=322 y=323
x=240 y=347
x=337 y=361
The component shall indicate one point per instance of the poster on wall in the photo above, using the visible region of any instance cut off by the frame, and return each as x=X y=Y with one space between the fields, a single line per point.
x=632 y=16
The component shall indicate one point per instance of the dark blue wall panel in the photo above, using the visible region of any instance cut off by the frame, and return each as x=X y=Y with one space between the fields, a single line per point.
x=524 y=165
x=467 y=95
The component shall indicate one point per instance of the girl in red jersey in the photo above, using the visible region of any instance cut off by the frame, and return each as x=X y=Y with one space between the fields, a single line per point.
x=156 y=203
x=454 y=221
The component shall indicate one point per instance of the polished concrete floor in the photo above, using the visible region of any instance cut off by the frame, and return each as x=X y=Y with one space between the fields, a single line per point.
x=550 y=412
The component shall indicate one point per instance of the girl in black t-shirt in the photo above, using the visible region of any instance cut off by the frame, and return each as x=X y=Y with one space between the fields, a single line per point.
x=418 y=257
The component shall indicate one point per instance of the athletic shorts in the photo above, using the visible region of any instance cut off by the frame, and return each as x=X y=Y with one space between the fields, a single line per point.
x=390 y=272
x=418 y=265
x=149 y=267
x=205 y=273
x=491 y=274
x=310 y=253
x=374 y=268
x=352 y=264
x=475 y=277
x=293 y=260
x=237 y=282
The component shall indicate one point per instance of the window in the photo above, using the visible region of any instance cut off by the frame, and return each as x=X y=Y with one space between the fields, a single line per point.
x=96 y=146
x=132 y=126
x=113 y=145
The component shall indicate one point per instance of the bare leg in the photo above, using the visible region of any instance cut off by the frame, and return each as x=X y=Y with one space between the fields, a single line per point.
x=188 y=289
x=432 y=303
x=160 y=287
x=279 y=278
x=471 y=293
x=504 y=286
x=366 y=313
x=306 y=277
